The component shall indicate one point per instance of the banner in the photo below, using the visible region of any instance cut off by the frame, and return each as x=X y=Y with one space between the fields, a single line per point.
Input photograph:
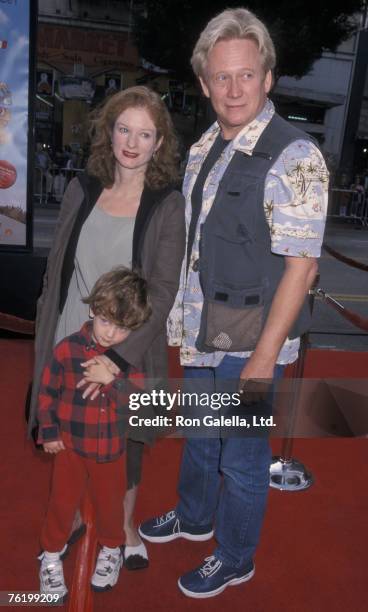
x=63 y=46
x=76 y=88
x=15 y=27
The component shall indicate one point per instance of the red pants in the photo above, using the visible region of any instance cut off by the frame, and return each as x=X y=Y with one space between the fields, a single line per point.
x=71 y=476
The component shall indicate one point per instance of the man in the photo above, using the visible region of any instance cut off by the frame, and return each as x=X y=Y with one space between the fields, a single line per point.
x=256 y=193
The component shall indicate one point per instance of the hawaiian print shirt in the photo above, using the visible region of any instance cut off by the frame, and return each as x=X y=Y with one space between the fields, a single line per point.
x=295 y=204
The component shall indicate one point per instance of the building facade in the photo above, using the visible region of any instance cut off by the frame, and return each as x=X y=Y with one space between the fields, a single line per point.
x=84 y=53
x=331 y=103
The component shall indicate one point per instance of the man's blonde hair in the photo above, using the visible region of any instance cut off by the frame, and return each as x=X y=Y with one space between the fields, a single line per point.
x=230 y=24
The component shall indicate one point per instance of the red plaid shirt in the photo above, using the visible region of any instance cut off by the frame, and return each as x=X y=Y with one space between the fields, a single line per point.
x=92 y=428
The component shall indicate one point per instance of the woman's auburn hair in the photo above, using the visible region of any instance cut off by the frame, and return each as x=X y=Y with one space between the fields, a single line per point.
x=162 y=169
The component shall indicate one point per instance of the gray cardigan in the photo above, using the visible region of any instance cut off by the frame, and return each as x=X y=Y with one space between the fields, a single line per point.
x=161 y=252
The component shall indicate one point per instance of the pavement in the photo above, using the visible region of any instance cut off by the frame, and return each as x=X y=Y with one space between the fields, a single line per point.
x=346 y=284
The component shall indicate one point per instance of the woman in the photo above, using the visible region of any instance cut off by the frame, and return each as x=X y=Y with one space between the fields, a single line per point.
x=122 y=211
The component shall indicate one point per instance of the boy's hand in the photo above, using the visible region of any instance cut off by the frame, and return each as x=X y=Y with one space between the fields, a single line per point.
x=53 y=447
x=99 y=370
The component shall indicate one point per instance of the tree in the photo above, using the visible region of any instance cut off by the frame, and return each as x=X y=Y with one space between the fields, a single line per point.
x=167 y=30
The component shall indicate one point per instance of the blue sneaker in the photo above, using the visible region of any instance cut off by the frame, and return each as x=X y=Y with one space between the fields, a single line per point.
x=169 y=527
x=212 y=577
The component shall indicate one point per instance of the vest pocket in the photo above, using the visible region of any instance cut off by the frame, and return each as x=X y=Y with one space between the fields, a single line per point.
x=231 y=321
x=232 y=260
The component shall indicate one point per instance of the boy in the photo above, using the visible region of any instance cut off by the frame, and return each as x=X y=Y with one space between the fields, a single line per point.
x=87 y=435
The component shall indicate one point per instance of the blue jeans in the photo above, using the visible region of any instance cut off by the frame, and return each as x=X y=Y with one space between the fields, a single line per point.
x=224 y=481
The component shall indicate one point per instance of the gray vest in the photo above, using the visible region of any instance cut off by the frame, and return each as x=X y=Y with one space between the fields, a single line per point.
x=238 y=273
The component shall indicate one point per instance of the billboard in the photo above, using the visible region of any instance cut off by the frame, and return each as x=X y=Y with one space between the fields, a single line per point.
x=76 y=88
x=16 y=82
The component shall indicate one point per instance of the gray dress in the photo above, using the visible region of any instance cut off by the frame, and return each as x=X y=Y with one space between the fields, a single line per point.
x=105 y=242
x=161 y=251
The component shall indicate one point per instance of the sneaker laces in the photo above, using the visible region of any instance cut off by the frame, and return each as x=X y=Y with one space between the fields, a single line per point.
x=105 y=563
x=54 y=572
x=210 y=567
x=164 y=518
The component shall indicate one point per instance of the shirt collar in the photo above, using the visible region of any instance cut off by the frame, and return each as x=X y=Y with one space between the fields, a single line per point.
x=209 y=136
x=86 y=333
x=247 y=138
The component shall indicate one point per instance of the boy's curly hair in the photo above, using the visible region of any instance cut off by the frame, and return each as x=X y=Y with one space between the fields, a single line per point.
x=121 y=297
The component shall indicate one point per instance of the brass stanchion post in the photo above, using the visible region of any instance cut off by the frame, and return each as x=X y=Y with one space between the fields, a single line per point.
x=287 y=473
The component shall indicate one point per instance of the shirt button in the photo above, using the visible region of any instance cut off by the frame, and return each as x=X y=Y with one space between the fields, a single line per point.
x=102 y=394
x=103 y=410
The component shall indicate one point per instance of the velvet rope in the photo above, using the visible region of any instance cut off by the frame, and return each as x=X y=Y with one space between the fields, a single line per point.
x=351 y=316
x=16 y=324
x=350 y=262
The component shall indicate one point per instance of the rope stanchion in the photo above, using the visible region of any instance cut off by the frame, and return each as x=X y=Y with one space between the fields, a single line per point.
x=287 y=473
x=81 y=594
x=351 y=316
x=15 y=324
x=348 y=260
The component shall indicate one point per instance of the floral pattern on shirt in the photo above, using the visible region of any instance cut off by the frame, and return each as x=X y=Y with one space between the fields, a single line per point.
x=295 y=204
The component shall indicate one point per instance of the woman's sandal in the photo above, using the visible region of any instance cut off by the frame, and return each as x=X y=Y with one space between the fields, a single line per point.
x=135 y=557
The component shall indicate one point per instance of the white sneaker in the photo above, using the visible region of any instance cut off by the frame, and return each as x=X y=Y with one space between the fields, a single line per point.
x=52 y=576
x=106 y=574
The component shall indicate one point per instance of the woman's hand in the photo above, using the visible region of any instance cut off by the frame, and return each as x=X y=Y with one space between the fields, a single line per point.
x=53 y=447
x=100 y=370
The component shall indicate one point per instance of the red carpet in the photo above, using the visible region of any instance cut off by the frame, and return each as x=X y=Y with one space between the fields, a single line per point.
x=312 y=555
